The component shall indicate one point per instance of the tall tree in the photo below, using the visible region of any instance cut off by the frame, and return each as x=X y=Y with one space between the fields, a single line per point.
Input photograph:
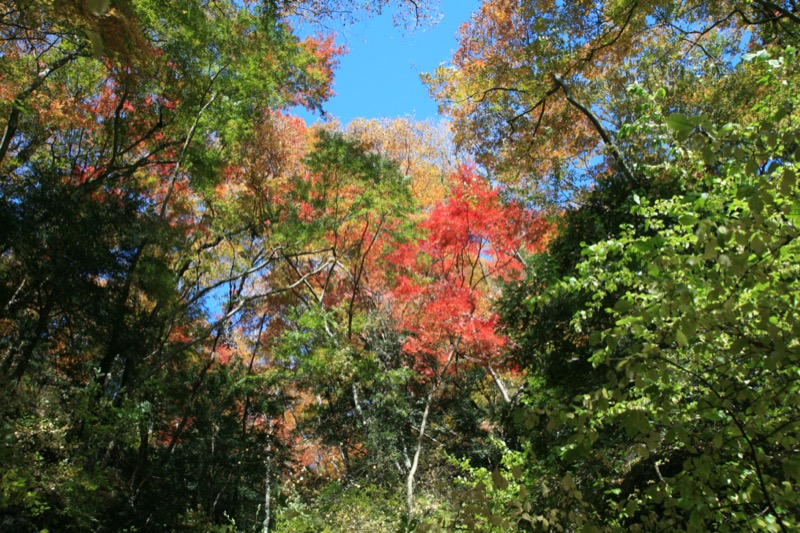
x=617 y=429
x=538 y=90
x=123 y=261
x=444 y=285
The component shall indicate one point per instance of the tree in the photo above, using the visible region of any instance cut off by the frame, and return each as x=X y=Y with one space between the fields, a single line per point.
x=422 y=150
x=445 y=281
x=121 y=234
x=597 y=444
x=399 y=310
x=538 y=91
x=682 y=425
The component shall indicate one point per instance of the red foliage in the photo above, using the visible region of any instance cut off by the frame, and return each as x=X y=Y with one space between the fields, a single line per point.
x=325 y=54
x=179 y=334
x=446 y=280
x=224 y=354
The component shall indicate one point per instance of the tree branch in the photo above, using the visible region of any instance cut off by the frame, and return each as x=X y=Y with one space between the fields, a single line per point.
x=606 y=136
x=13 y=118
x=499 y=383
x=780 y=9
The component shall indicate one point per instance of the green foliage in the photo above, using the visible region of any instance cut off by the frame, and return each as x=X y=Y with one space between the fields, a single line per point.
x=337 y=508
x=127 y=402
x=688 y=315
x=213 y=318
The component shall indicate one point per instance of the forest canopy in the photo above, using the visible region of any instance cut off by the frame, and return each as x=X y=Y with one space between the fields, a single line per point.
x=572 y=306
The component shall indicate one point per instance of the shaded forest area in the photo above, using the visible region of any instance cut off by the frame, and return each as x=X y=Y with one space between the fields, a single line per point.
x=572 y=307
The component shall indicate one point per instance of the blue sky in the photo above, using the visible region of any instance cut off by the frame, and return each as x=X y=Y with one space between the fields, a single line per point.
x=379 y=76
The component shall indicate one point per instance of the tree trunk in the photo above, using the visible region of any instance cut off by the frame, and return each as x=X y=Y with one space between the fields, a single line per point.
x=268 y=481
x=412 y=471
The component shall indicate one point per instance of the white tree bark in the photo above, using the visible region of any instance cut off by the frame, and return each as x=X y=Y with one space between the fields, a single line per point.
x=268 y=481
x=412 y=471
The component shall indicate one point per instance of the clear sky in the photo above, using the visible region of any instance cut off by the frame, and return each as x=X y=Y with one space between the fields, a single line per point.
x=379 y=76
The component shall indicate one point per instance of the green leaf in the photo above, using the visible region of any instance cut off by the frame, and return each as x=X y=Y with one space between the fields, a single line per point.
x=97 y=44
x=623 y=305
x=641 y=450
x=709 y=155
x=681 y=125
x=751 y=167
x=680 y=336
x=791 y=467
x=498 y=480
x=710 y=249
x=789 y=181
x=634 y=422
x=595 y=338
x=98 y=8
x=568 y=483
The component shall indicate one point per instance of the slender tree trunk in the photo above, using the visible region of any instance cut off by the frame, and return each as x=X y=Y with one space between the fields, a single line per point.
x=27 y=354
x=499 y=383
x=412 y=470
x=140 y=471
x=268 y=481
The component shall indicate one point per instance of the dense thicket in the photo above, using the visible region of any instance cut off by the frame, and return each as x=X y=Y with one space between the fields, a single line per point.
x=576 y=313
x=656 y=332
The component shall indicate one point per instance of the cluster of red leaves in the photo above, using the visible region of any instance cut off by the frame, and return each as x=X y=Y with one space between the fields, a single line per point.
x=325 y=53
x=445 y=280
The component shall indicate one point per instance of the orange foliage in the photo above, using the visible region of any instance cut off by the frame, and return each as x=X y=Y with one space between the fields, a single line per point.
x=445 y=280
x=422 y=150
x=510 y=113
